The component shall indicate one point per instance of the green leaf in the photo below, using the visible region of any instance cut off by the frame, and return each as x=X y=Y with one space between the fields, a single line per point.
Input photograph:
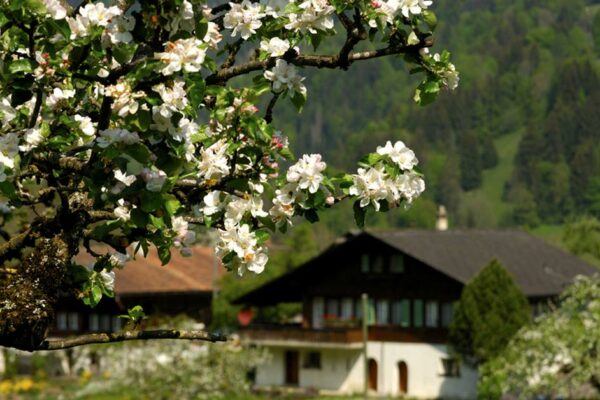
x=124 y=53
x=262 y=236
x=150 y=201
x=3 y=19
x=139 y=219
x=19 y=97
x=8 y=189
x=359 y=214
x=100 y=231
x=164 y=253
x=311 y=216
x=23 y=65
x=195 y=93
x=298 y=101
x=172 y=205
x=430 y=19
x=62 y=26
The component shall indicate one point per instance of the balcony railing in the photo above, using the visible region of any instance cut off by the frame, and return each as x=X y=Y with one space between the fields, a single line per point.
x=276 y=333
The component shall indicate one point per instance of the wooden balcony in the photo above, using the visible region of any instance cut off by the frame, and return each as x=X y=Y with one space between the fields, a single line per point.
x=338 y=337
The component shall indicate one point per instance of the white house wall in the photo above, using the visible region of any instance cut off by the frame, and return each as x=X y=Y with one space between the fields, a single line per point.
x=425 y=373
x=342 y=370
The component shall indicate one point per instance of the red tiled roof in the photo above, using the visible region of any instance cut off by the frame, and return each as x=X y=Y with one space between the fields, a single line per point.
x=181 y=275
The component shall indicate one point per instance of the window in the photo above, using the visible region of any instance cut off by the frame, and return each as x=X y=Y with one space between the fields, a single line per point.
x=377 y=264
x=383 y=312
x=312 y=360
x=358 y=309
x=396 y=263
x=333 y=306
x=347 y=308
x=105 y=322
x=318 y=309
x=94 y=322
x=371 y=263
x=364 y=263
x=61 y=321
x=431 y=314
x=446 y=314
x=417 y=313
x=401 y=313
x=450 y=367
x=117 y=323
x=371 y=312
x=73 y=321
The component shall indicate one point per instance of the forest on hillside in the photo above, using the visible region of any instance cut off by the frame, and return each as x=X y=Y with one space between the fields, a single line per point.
x=516 y=145
x=529 y=79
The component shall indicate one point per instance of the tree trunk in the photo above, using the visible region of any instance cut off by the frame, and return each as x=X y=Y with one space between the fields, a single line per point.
x=30 y=293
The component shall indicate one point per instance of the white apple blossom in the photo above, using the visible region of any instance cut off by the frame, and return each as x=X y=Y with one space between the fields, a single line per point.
x=85 y=124
x=155 y=180
x=9 y=148
x=110 y=136
x=58 y=95
x=315 y=15
x=7 y=111
x=173 y=96
x=122 y=212
x=213 y=35
x=243 y=242
x=161 y=117
x=413 y=7
x=108 y=279
x=213 y=203
x=124 y=102
x=119 y=30
x=369 y=186
x=183 y=20
x=55 y=9
x=98 y=14
x=238 y=207
x=275 y=47
x=400 y=154
x=118 y=260
x=214 y=162
x=183 y=54
x=33 y=137
x=285 y=77
x=307 y=172
x=124 y=180
x=184 y=236
x=244 y=18
x=410 y=184
x=275 y=8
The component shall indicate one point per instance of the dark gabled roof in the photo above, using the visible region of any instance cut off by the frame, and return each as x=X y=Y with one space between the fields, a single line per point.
x=539 y=268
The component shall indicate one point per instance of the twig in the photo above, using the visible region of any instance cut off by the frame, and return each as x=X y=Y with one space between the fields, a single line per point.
x=270 y=107
x=95 y=338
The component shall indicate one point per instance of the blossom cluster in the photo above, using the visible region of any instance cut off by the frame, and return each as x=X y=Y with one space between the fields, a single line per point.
x=376 y=183
x=127 y=108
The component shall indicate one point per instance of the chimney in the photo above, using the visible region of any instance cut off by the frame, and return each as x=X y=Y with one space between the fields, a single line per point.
x=441 y=224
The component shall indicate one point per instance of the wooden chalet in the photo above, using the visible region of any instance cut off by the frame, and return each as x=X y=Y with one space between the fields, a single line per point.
x=184 y=286
x=412 y=278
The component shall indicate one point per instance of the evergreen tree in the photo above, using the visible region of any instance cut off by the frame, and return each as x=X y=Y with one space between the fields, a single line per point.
x=470 y=161
x=584 y=165
x=489 y=155
x=490 y=311
x=583 y=237
x=525 y=210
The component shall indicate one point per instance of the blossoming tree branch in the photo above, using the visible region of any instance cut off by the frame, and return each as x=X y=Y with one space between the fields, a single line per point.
x=123 y=126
